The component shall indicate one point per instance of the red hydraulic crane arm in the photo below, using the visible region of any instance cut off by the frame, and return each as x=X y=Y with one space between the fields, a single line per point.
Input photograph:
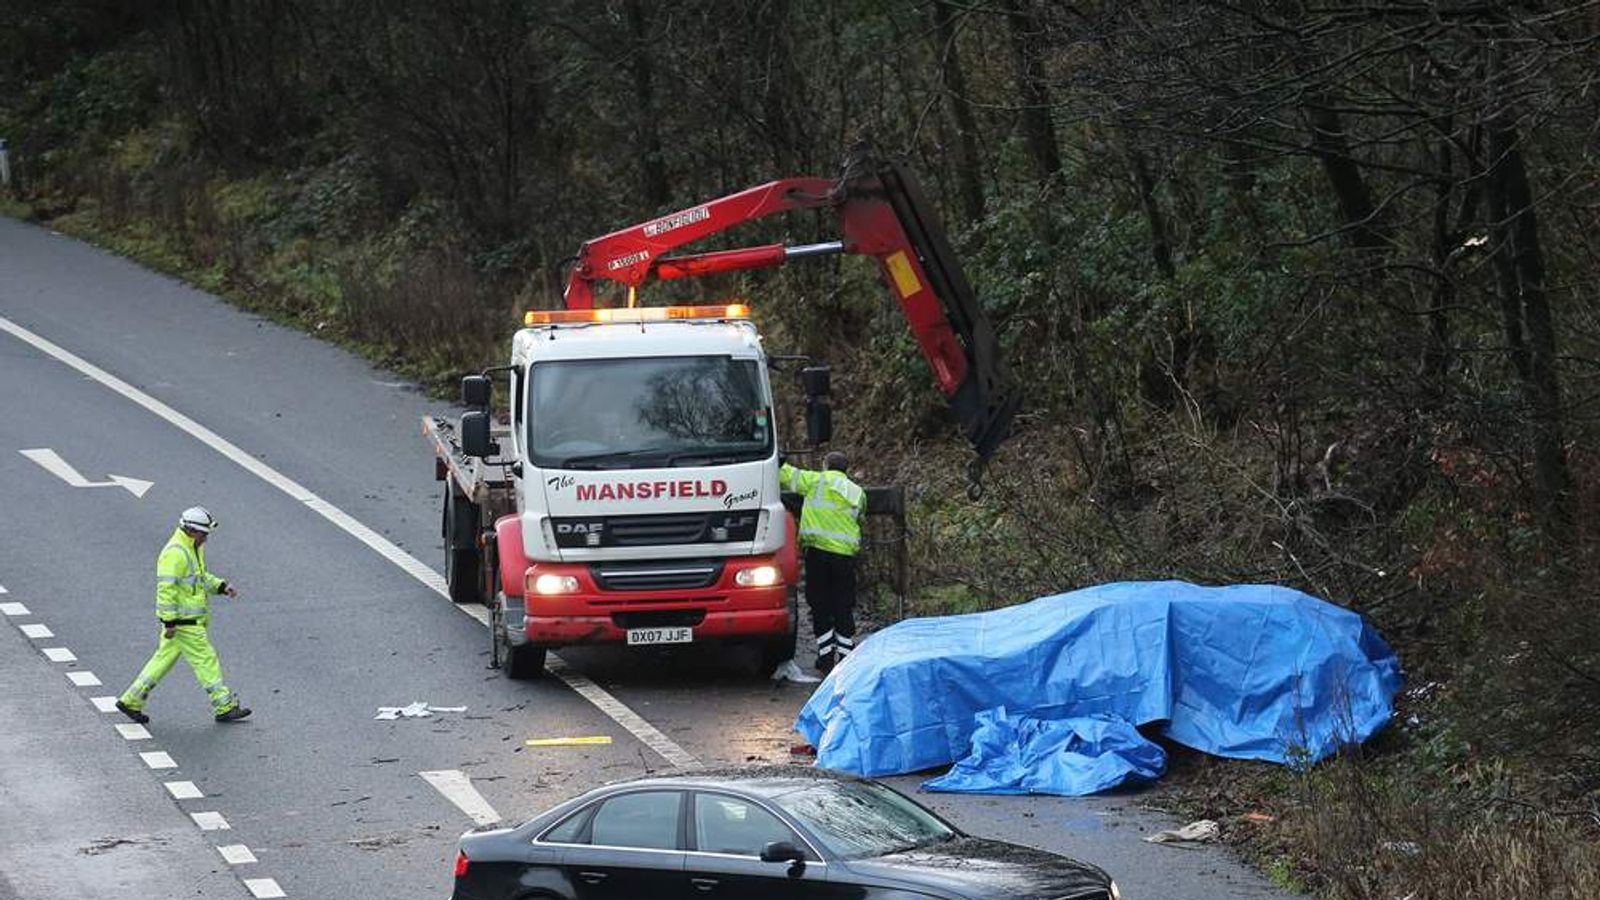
x=629 y=256
x=882 y=213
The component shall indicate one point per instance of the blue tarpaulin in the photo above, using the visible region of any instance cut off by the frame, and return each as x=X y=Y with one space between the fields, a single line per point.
x=1075 y=757
x=1249 y=671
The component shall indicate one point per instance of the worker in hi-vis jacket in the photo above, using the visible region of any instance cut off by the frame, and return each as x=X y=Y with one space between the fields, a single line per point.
x=183 y=588
x=830 y=534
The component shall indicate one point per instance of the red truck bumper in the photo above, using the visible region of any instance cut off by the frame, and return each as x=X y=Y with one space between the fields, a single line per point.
x=724 y=610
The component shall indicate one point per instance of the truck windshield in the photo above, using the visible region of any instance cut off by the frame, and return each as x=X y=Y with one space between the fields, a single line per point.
x=658 y=411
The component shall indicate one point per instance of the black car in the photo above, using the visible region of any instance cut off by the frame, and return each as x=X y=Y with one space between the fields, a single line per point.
x=771 y=833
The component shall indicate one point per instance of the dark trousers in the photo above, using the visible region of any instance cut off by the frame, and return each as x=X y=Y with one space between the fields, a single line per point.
x=831 y=594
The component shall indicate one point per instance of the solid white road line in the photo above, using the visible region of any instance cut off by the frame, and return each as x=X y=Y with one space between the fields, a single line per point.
x=132 y=731
x=457 y=788
x=622 y=715
x=210 y=821
x=236 y=854
x=104 y=704
x=264 y=888
x=182 y=790
x=37 y=631
x=158 y=759
x=13 y=609
x=84 y=678
x=60 y=654
x=416 y=568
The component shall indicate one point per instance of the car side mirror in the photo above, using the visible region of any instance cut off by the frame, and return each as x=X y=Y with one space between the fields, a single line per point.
x=475 y=391
x=783 y=851
x=819 y=421
x=475 y=434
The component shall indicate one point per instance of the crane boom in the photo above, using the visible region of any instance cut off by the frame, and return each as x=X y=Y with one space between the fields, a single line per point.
x=882 y=213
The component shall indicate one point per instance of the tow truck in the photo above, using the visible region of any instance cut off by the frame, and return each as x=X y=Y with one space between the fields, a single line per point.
x=630 y=493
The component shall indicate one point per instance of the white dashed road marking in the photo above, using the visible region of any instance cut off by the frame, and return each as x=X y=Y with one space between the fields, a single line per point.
x=416 y=568
x=457 y=788
x=37 y=631
x=84 y=678
x=182 y=790
x=60 y=654
x=210 y=821
x=264 y=888
x=236 y=854
x=132 y=731
x=104 y=704
x=13 y=609
x=158 y=759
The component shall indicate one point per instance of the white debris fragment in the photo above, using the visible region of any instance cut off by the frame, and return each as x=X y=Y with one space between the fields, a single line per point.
x=789 y=671
x=1197 y=832
x=416 y=710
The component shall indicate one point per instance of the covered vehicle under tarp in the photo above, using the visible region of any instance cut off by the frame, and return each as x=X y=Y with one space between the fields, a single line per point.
x=1248 y=671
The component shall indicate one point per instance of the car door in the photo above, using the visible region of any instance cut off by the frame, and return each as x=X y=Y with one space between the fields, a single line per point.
x=629 y=848
x=726 y=833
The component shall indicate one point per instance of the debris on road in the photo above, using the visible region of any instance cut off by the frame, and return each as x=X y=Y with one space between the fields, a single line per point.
x=1246 y=672
x=107 y=844
x=1070 y=757
x=1202 y=831
x=589 y=741
x=791 y=671
x=417 y=710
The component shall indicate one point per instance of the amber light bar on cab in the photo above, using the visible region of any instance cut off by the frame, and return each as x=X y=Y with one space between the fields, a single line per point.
x=634 y=314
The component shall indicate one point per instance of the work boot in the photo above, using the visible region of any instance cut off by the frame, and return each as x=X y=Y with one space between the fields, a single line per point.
x=130 y=712
x=825 y=662
x=234 y=714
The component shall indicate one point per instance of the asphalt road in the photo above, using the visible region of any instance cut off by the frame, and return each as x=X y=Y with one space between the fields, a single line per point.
x=328 y=801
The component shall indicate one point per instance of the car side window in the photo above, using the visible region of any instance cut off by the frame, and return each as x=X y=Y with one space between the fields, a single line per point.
x=724 y=824
x=648 y=819
x=571 y=830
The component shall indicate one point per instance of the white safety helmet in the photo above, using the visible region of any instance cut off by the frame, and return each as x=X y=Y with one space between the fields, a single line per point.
x=196 y=518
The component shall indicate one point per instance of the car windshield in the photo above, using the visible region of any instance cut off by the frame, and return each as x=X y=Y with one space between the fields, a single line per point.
x=652 y=412
x=857 y=819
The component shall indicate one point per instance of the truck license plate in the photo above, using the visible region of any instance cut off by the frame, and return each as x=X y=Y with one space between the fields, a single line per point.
x=680 y=634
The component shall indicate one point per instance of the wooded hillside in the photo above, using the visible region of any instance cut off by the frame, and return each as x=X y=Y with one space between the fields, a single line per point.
x=1302 y=293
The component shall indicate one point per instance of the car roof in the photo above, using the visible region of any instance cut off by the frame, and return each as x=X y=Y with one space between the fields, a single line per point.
x=764 y=781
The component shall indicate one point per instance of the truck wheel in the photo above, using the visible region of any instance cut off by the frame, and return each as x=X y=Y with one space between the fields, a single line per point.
x=775 y=650
x=524 y=663
x=462 y=557
x=519 y=663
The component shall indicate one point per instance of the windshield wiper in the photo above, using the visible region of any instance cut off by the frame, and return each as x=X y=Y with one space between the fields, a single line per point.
x=599 y=460
x=715 y=458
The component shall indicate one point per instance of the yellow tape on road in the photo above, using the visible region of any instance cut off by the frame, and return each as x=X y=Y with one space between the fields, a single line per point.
x=568 y=741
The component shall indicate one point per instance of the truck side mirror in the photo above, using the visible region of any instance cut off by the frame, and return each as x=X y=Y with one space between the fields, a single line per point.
x=475 y=391
x=475 y=434
x=816 y=382
x=819 y=421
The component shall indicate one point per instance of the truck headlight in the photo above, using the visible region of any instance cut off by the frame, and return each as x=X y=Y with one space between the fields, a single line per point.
x=756 y=576
x=553 y=584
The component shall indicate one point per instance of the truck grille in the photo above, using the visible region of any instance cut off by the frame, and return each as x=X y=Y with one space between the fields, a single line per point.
x=643 y=531
x=662 y=575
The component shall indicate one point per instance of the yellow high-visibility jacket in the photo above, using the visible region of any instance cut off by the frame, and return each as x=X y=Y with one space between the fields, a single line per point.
x=831 y=517
x=183 y=585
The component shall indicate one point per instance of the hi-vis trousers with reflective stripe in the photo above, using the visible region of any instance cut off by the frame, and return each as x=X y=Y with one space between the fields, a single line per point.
x=192 y=643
